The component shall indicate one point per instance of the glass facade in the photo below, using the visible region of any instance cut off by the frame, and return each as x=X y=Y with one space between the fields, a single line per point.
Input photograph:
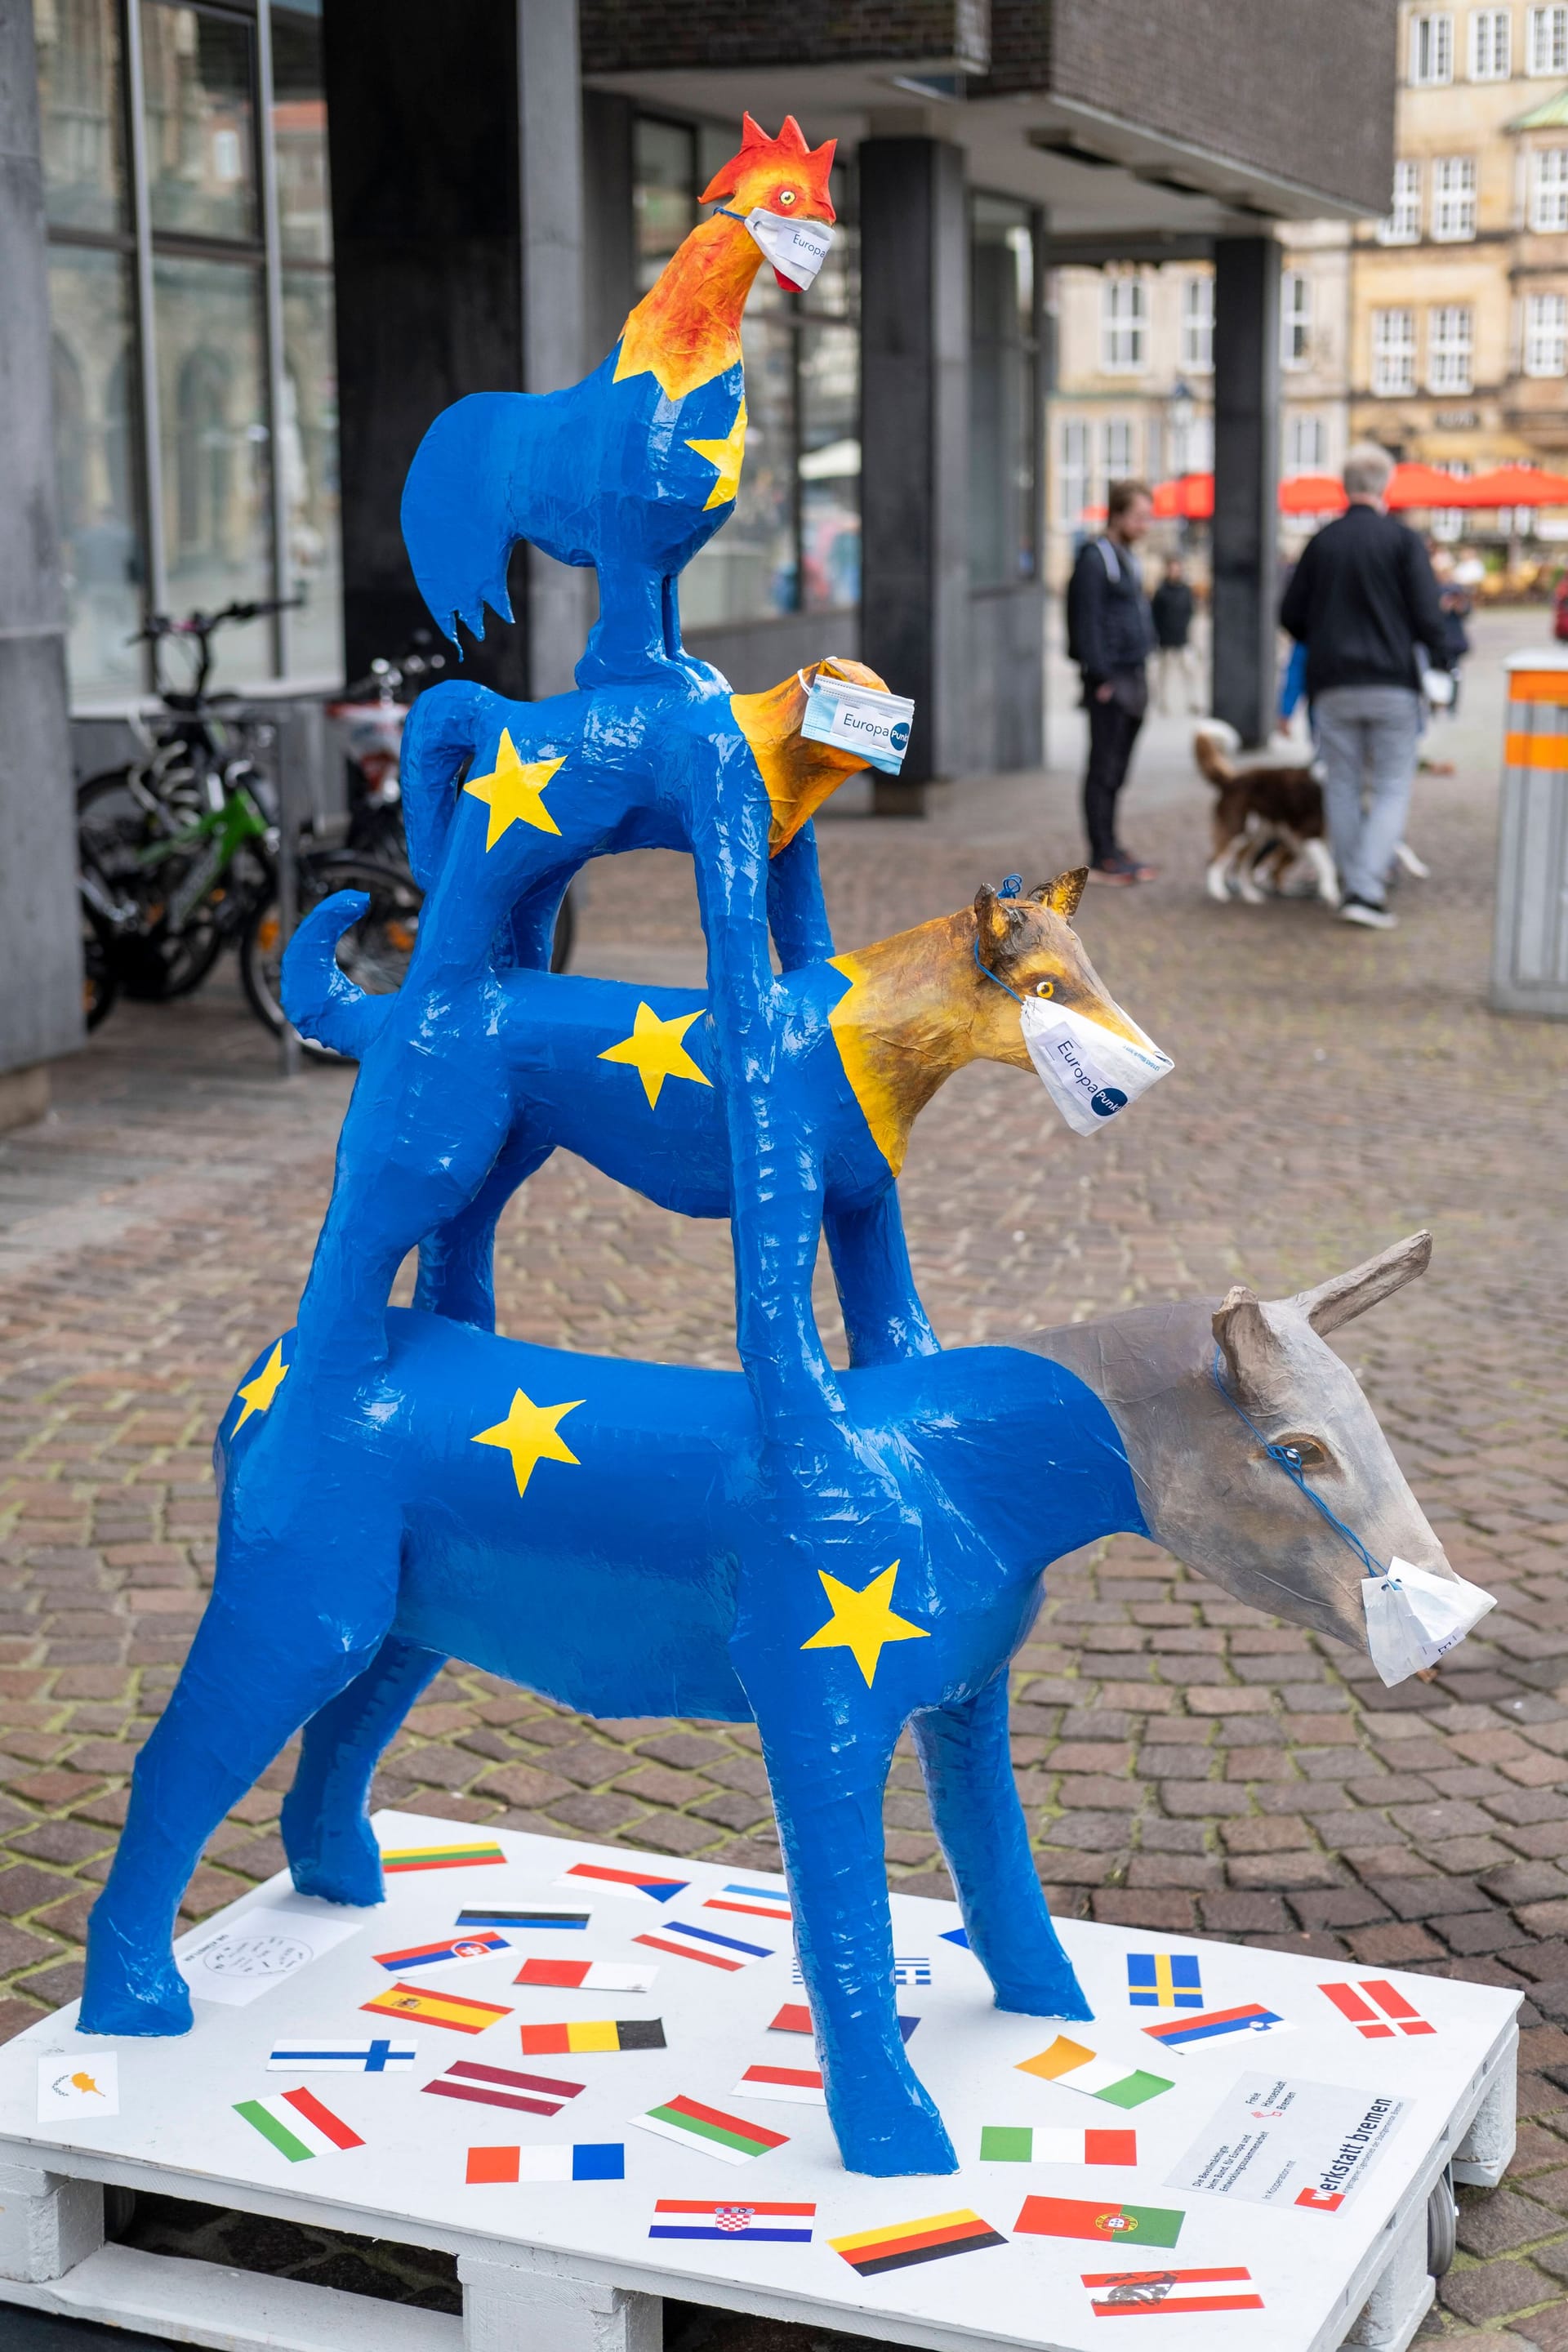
x=192 y=311
x=1003 y=395
x=793 y=543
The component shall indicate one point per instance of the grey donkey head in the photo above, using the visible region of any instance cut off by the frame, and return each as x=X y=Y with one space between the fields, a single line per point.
x=1209 y=1492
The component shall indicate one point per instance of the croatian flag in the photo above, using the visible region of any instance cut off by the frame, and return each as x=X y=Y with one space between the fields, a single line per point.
x=690 y=2217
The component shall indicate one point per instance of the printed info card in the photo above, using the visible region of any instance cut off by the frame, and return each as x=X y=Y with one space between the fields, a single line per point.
x=1275 y=2142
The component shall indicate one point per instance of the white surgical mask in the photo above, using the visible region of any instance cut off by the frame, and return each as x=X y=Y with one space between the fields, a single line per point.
x=858 y=719
x=797 y=248
x=1414 y=1618
x=1090 y=1073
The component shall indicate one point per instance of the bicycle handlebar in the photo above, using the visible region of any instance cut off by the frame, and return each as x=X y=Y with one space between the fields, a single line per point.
x=201 y=625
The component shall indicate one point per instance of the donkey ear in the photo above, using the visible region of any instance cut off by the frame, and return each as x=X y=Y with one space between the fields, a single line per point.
x=1062 y=895
x=1250 y=1349
x=1344 y=1296
x=990 y=916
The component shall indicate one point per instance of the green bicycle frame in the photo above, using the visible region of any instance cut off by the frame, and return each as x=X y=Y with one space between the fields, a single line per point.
x=225 y=830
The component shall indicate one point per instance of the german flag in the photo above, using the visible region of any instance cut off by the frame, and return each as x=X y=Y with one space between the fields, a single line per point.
x=898 y=2244
x=586 y=2034
x=421 y=2006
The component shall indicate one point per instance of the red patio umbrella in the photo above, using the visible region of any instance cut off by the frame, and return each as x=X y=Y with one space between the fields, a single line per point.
x=1188 y=498
x=1515 y=486
x=1416 y=485
x=1312 y=494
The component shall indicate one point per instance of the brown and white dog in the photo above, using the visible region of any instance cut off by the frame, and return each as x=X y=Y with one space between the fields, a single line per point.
x=1267 y=816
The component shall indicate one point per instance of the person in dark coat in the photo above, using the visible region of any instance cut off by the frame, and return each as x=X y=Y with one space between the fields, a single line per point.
x=1362 y=599
x=1172 y=608
x=1111 y=635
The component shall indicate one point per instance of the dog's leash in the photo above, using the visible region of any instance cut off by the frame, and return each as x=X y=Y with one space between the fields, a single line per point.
x=1288 y=1458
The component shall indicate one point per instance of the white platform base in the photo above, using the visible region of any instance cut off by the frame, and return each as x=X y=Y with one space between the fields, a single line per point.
x=570 y=2266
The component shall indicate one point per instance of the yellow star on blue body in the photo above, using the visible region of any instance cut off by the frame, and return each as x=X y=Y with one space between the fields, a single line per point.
x=260 y=1393
x=530 y=1435
x=864 y=1622
x=655 y=1051
x=513 y=791
x=727 y=454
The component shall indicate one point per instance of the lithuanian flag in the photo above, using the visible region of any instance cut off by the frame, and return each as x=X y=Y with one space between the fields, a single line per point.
x=440 y=1857
x=898 y=2244
x=582 y=2035
x=423 y=2006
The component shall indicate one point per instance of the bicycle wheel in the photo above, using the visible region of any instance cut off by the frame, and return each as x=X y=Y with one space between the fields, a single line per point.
x=374 y=952
x=99 y=978
x=152 y=963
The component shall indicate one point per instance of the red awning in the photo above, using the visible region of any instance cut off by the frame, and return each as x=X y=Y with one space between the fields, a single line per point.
x=1515 y=486
x=1426 y=486
x=1188 y=498
x=1312 y=494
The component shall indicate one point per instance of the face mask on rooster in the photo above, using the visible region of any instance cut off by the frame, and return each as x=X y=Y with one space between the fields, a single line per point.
x=779 y=189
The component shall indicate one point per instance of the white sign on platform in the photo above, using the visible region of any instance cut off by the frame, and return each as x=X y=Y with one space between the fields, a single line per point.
x=73 y=2084
x=237 y=1964
x=1275 y=2142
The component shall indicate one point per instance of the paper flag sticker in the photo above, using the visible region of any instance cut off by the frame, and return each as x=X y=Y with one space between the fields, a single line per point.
x=732 y=2138
x=482 y=1947
x=422 y=2005
x=1371 y=2005
x=1055 y=2144
x=581 y=2036
x=794 y=2017
x=755 y=1900
x=689 y=1943
x=907 y=1970
x=326 y=2055
x=631 y=1885
x=898 y=2244
x=453 y=1856
x=298 y=2125
x=520 y=1922
x=1164 y=1981
x=801 y=2083
x=1081 y=2217
x=587 y=1976
x=500 y=2086
x=1143 y=2295
x=689 y=2217
x=1079 y=2069
x=1216 y=2025
x=587 y=2160
x=79 y=2083
x=959 y=1936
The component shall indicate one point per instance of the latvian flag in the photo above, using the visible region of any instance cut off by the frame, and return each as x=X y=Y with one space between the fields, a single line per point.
x=298 y=2125
x=451 y=1857
x=1077 y=2069
x=499 y=2086
x=516 y=1922
x=1216 y=2025
x=1055 y=2144
x=1371 y=2004
x=588 y=2160
x=1148 y=2294
x=898 y=2244
x=801 y=2083
x=422 y=2007
x=688 y=2217
x=731 y=2138
x=586 y=1976
x=632 y=1885
x=580 y=2036
x=795 y=2017
x=1082 y=2217
x=436 y=1955
x=760 y=1901
x=688 y=1943
x=325 y=2056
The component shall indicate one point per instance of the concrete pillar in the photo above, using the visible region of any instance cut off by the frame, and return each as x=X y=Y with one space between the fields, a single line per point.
x=1246 y=482
x=40 y=946
x=914 y=443
x=456 y=216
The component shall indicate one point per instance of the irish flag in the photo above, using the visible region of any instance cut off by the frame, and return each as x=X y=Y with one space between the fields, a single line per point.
x=732 y=2138
x=298 y=2125
x=1055 y=2144
x=1070 y=2063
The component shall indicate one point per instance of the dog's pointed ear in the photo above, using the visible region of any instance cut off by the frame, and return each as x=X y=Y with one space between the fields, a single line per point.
x=1063 y=894
x=990 y=917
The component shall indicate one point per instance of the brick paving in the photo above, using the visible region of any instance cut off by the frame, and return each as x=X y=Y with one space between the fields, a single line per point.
x=1186 y=1763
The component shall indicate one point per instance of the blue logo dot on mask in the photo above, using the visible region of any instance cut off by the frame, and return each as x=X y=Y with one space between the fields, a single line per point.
x=1107 y=1102
x=898 y=734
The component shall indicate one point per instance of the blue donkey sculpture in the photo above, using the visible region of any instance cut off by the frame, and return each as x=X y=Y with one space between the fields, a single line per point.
x=576 y=1524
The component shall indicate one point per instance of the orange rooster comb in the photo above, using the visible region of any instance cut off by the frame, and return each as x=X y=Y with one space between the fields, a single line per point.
x=811 y=164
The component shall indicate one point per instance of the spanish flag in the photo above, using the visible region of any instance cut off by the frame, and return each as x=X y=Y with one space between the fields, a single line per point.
x=422 y=2006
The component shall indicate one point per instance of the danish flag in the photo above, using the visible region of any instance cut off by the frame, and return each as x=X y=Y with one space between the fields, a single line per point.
x=1370 y=2004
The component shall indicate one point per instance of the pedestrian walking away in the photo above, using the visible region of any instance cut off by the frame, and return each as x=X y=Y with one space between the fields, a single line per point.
x=1171 y=609
x=1110 y=636
x=1362 y=599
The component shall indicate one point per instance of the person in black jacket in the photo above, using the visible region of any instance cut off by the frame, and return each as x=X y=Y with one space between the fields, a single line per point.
x=1171 y=606
x=1363 y=601
x=1110 y=637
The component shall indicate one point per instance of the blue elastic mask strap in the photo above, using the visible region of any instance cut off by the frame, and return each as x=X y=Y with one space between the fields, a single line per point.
x=1290 y=1461
x=722 y=211
x=1012 y=886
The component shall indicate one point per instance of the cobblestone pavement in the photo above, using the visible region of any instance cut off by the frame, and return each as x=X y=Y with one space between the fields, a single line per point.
x=1186 y=1763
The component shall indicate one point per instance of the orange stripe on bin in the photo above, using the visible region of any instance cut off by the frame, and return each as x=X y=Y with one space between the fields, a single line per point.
x=1538 y=685
x=1536 y=751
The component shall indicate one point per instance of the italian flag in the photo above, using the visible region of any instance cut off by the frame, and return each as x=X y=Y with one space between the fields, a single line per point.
x=298 y=2125
x=1055 y=2144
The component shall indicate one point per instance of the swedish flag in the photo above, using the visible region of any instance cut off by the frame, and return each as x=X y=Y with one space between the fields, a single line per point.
x=1164 y=1981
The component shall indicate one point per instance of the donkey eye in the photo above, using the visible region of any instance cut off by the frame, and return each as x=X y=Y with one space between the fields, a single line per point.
x=1045 y=988
x=1307 y=1451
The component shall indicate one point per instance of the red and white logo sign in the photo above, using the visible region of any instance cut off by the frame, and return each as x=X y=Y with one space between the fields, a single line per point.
x=1376 y=2010
x=1322 y=2202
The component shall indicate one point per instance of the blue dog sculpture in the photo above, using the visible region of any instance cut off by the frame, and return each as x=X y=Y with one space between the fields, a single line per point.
x=582 y=1539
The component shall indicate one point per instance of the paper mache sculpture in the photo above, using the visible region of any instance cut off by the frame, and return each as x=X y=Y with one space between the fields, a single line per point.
x=835 y=1555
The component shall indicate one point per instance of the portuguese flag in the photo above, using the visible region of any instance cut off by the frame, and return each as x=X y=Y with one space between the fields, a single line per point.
x=1085 y=2217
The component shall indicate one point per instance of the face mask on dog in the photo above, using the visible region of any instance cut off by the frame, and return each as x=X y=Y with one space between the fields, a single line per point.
x=797 y=248
x=1414 y=1618
x=1090 y=1073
